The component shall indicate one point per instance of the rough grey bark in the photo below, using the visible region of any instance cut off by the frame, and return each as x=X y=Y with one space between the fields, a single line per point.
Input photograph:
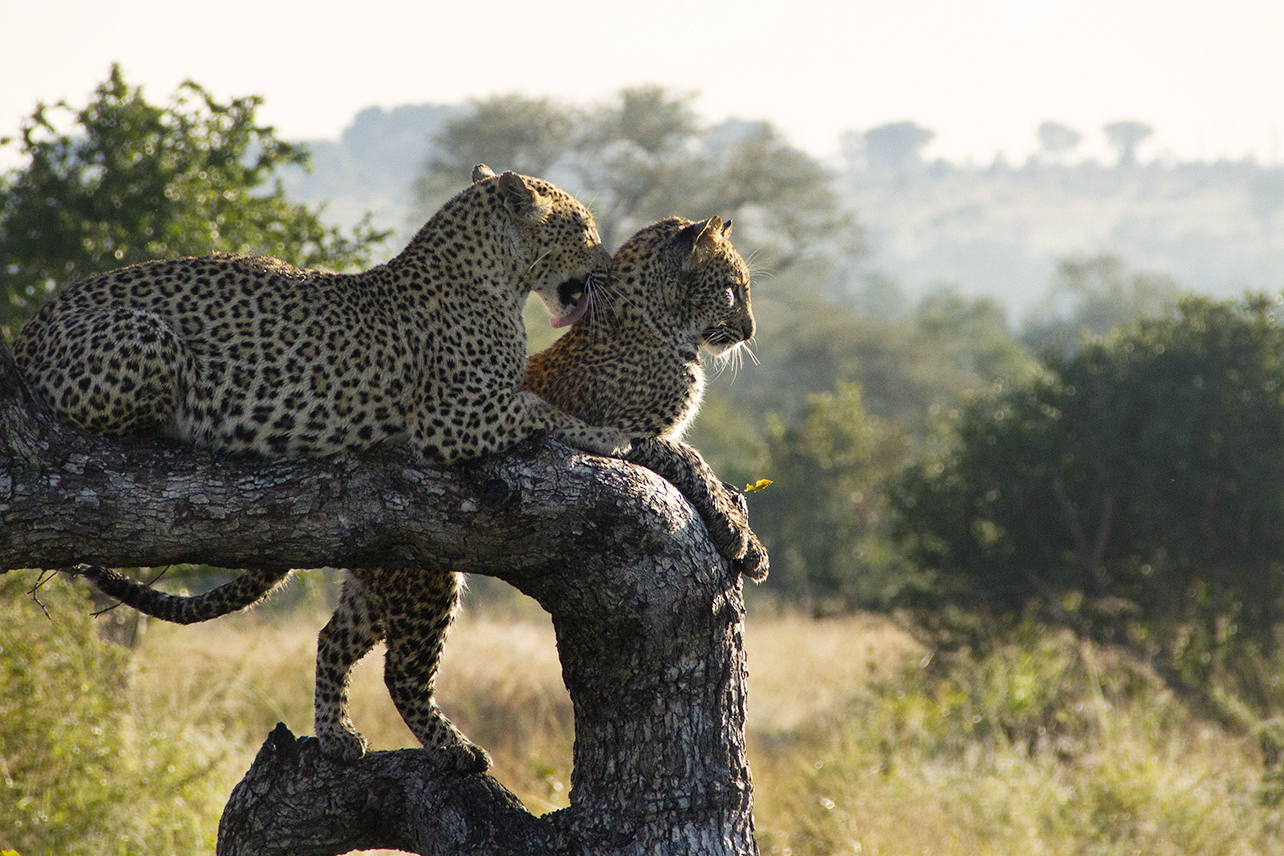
x=649 y=623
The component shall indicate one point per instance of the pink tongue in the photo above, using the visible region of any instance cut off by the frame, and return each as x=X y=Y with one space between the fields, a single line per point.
x=575 y=314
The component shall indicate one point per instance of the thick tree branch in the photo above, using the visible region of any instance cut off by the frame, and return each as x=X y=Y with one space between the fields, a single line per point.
x=649 y=622
x=296 y=802
x=68 y=497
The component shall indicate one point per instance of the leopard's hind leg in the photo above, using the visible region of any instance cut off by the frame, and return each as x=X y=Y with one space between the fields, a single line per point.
x=418 y=608
x=351 y=632
x=108 y=370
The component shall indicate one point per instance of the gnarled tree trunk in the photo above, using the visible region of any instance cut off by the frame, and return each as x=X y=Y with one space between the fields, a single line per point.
x=648 y=619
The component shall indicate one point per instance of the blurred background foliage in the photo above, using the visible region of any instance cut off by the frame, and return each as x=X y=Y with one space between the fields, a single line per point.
x=122 y=180
x=1109 y=472
x=1133 y=490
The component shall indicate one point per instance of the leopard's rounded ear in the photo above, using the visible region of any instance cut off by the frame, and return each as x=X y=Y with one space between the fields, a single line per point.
x=700 y=237
x=726 y=229
x=701 y=232
x=481 y=172
x=522 y=199
x=712 y=228
x=686 y=238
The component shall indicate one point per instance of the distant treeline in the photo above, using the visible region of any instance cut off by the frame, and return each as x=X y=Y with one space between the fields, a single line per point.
x=995 y=229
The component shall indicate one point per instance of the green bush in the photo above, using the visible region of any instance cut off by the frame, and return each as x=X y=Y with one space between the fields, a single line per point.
x=134 y=181
x=824 y=518
x=1132 y=489
x=82 y=773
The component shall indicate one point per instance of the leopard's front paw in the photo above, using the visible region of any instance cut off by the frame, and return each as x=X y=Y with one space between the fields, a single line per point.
x=608 y=442
x=754 y=564
x=728 y=522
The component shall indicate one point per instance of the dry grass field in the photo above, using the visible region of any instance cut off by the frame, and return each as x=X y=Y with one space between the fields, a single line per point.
x=861 y=741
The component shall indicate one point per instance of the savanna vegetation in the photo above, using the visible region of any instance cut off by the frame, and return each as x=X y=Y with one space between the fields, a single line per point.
x=862 y=738
x=1026 y=581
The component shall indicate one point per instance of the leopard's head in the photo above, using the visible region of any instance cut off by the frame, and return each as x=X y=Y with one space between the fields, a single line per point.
x=717 y=286
x=687 y=276
x=565 y=257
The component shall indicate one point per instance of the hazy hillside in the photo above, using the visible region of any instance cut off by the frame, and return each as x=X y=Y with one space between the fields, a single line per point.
x=372 y=166
x=1217 y=228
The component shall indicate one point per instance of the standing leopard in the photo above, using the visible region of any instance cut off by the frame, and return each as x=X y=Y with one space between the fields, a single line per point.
x=633 y=363
x=248 y=353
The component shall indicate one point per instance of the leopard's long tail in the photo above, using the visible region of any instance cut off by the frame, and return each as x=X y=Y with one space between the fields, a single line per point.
x=246 y=590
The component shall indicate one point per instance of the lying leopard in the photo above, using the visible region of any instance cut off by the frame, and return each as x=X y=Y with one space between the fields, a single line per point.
x=632 y=363
x=249 y=353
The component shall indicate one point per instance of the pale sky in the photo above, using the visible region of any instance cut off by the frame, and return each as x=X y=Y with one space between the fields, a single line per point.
x=1206 y=74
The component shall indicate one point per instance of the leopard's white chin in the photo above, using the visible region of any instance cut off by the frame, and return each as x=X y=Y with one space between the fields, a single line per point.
x=720 y=350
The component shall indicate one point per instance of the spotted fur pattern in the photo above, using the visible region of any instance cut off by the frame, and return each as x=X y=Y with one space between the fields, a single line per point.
x=632 y=363
x=678 y=287
x=249 y=353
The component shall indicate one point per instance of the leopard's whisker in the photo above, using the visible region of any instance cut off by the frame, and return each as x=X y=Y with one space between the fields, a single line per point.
x=598 y=307
x=728 y=359
x=531 y=268
x=621 y=296
x=756 y=271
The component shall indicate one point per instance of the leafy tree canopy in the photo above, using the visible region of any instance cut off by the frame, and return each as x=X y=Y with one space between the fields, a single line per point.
x=133 y=181
x=1058 y=139
x=1125 y=136
x=907 y=370
x=830 y=415
x=824 y=518
x=888 y=148
x=645 y=156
